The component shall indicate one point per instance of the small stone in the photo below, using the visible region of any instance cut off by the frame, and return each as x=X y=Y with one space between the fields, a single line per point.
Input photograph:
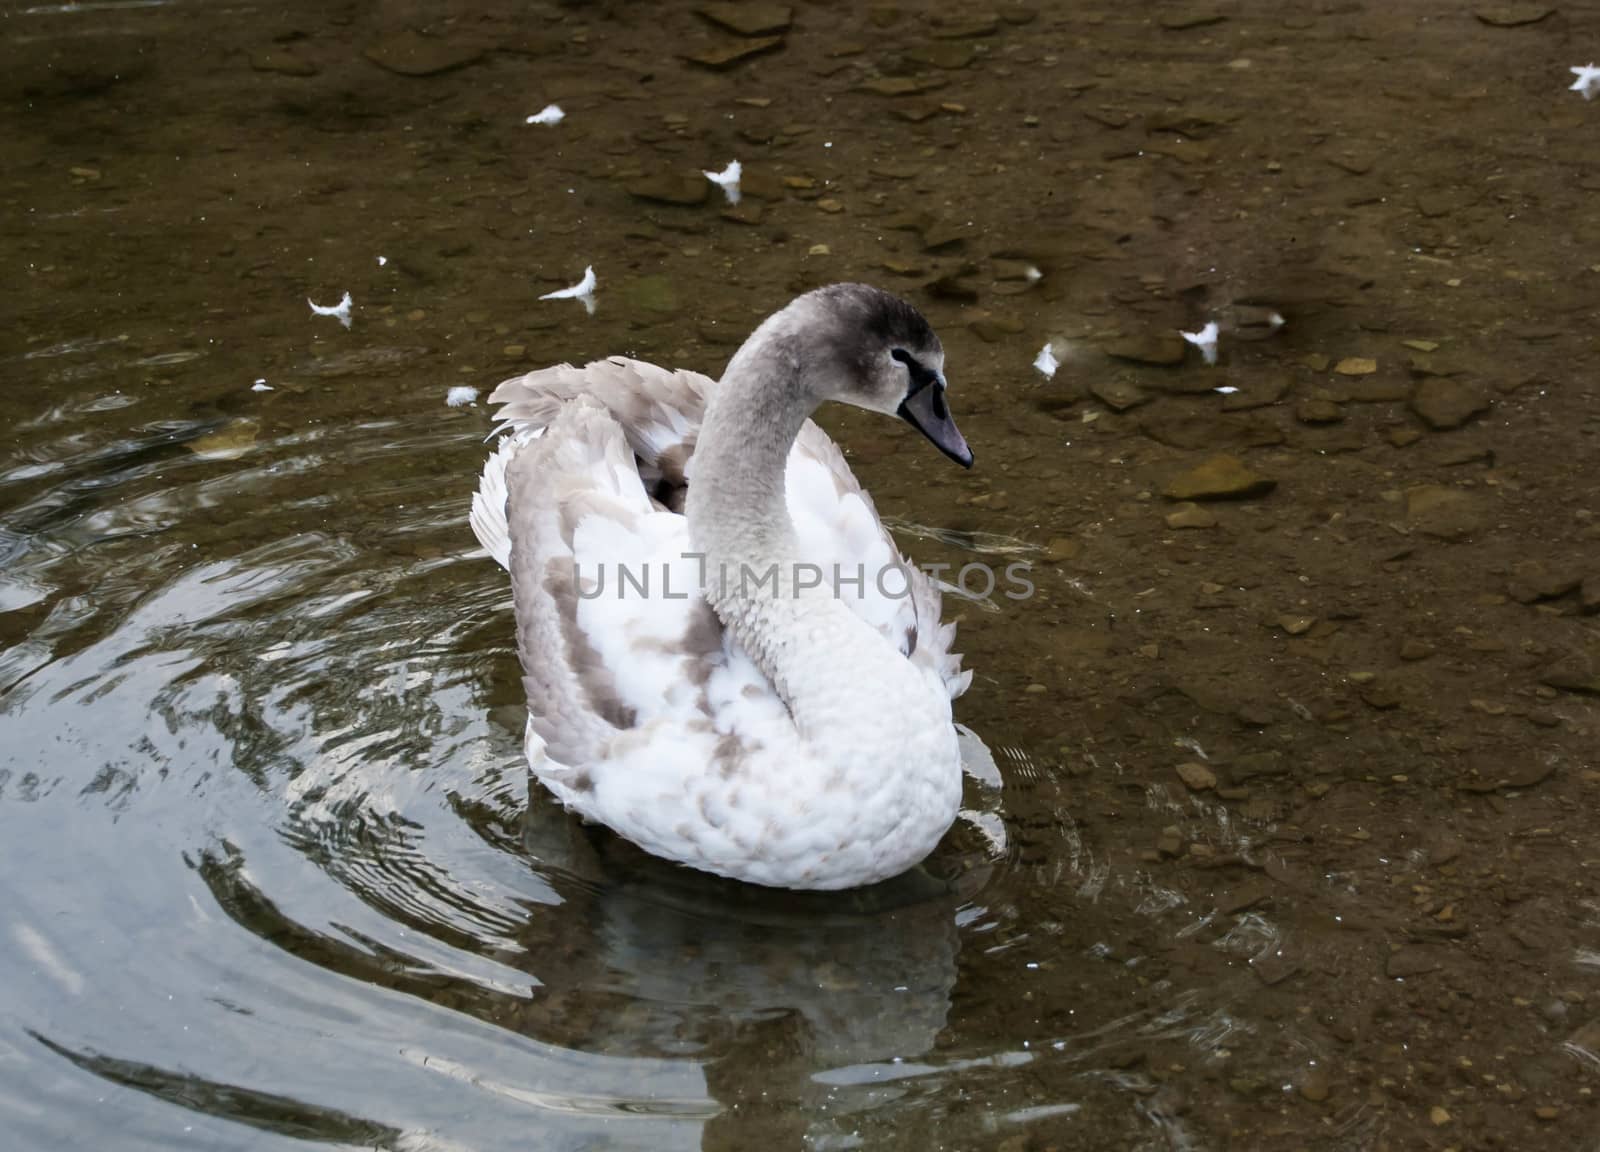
x=1413 y=650
x=1170 y=843
x=1402 y=435
x=1060 y=548
x=1420 y=345
x=514 y=351
x=1313 y=1086
x=1445 y=404
x=409 y=53
x=993 y=329
x=1511 y=15
x=726 y=56
x=950 y=55
x=1547 y=1112
x=1356 y=366
x=900 y=85
x=1318 y=412
x=1296 y=625
x=1191 y=515
x=965 y=26
x=678 y=188
x=1157 y=348
x=1317 y=362
x=1191 y=17
x=1532 y=581
x=830 y=205
x=1411 y=961
x=1196 y=776
x=1448 y=513
x=1118 y=395
x=1219 y=478
x=1255 y=395
x=1438 y=1117
x=1574 y=673
x=748 y=19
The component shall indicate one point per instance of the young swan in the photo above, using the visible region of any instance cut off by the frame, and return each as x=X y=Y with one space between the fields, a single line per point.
x=760 y=686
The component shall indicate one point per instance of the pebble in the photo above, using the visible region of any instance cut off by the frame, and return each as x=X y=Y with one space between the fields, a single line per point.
x=748 y=19
x=1313 y=1086
x=1219 y=478
x=1411 y=961
x=1356 y=366
x=1191 y=515
x=1318 y=412
x=1060 y=548
x=1577 y=672
x=1197 y=776
x=1447 y=513
x=1438 y=1117
x=1532 y=581
x=1156 y=348
x=1511 y=15
x=1412 y=649
x=726 y=56
x=1118 y=395
x=409 y=53
x=1445 y=404
x=1256 y=396
x=1191 y=17
x=679 y=188
x=1296 y=625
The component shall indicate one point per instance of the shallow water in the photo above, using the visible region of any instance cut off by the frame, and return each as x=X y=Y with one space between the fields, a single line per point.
x=269 y=873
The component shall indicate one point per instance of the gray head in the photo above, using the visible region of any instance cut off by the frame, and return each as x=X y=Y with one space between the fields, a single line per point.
x=875 y=351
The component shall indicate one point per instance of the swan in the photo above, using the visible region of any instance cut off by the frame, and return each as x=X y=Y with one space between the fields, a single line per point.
x=726 y=658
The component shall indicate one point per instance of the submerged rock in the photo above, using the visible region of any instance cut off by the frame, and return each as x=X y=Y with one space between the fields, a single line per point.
x=1444 y=404
x=1219 y=478
x=748 y=19
x=411 y=54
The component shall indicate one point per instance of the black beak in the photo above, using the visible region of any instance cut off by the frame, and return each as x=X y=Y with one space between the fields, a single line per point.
x=925 y=411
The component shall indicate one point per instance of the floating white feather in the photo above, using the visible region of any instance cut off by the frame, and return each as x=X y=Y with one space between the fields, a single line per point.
x=1046 y=361
x=727 y=180
x=549 y=114
x=460 y=395
x=339 y=311
x=1587 y=82
x=1205 y=340
x=583 y=290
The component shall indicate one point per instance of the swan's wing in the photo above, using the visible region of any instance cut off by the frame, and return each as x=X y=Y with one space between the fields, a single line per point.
x=659 y=411
x=838 y=529
x=599 y=658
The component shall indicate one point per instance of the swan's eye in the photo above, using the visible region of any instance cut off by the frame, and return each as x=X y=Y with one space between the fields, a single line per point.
x=903 y=356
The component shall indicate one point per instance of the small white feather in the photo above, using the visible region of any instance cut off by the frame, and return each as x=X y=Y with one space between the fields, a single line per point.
x=1046 y=361
x=727 y=180
x=1587 y=82
x=339 y=311
x=549 y=114
x=1205 y=340
x=583 y=291
x=460 y=395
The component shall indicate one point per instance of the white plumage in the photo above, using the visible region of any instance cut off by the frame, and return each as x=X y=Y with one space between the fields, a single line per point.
x=803 y=740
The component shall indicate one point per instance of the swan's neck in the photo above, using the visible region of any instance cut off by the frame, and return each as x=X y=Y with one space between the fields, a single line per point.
x=737 y=505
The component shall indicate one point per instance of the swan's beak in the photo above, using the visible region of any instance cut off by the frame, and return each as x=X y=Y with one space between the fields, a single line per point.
x=925 y=411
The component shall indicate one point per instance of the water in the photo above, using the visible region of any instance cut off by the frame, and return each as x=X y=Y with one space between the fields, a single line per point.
x=270 y=875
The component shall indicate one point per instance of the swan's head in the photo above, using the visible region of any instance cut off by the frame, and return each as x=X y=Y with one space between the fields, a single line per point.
x=882 y=355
